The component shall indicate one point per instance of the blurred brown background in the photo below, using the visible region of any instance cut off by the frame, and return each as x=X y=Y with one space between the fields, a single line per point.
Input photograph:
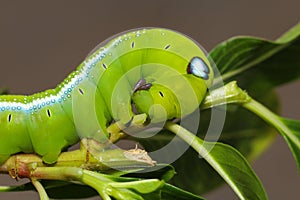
x=42 y=41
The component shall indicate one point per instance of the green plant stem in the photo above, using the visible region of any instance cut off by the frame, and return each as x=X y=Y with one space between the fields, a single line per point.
x=21 y=166
x=9 y=188
x=91 y=155
x=71 y=174
x=231 y=93
x=105 y=185
x=256 y=61
x=271 y=118
x=73 y=165
x=203 y=149
x=96 y=181
x=40 y=189
x=93 y=179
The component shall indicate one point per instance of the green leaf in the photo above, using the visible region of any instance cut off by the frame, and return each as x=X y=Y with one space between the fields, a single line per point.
x=227 y=161
x=290 y=34
x=163 y=191
x=260 y=57
x=294 y=127
x=197 y=176
x=236 y=171
x=134 y=185
x=160 y=171
x=56 y=189
x=242 y=130
x=141 y=186
x=289 y=129
x=170 y=192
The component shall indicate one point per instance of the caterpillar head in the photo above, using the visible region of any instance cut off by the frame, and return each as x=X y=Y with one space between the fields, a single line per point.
x=177 y=96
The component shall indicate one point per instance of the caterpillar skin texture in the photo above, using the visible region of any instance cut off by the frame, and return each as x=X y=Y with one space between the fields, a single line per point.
x=161 y=72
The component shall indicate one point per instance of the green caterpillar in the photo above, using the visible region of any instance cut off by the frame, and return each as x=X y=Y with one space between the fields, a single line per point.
x=156 y=71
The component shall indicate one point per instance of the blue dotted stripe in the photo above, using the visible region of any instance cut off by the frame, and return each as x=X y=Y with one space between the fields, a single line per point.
x=67 y=88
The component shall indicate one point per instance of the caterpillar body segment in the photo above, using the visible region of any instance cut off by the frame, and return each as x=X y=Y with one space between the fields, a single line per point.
x=175 y=74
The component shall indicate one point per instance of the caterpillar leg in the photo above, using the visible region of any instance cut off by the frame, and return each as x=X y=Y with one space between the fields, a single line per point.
x=141 y=85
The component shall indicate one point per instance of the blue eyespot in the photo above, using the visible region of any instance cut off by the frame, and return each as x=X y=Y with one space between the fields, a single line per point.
x=198 y=68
